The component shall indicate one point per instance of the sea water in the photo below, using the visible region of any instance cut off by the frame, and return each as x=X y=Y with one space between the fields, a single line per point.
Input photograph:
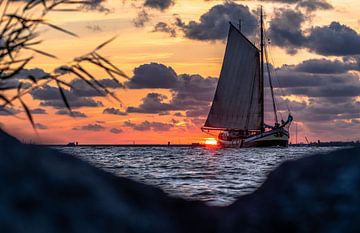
x=216 y=176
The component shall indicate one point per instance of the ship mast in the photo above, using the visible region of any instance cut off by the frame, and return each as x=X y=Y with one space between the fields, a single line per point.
x=262 y=69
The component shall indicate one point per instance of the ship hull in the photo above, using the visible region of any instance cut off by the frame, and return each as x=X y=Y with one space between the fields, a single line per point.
x=277 y=137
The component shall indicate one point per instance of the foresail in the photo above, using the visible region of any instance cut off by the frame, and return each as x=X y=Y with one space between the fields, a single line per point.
x=237 y=102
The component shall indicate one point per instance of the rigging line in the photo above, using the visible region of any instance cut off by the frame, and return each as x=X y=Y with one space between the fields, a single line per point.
x=278 y=83
x=271 y=84
x=252 y=96
x=288 y=106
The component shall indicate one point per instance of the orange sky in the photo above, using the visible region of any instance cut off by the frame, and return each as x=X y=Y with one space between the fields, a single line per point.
x=136 y=46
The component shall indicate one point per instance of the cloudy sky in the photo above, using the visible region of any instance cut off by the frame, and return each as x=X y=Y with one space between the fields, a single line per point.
x=172 y=51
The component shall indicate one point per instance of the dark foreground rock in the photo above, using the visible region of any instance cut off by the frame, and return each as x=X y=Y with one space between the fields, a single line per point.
x=320 y=193
x=44 y=191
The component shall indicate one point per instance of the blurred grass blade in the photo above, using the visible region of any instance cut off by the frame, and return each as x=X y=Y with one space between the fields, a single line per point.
x=63 y=96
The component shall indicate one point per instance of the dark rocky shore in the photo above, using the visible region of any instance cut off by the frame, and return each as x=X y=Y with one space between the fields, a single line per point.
x=45 y=191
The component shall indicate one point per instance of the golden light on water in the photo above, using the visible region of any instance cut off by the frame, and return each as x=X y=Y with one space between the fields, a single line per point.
x=211 y=141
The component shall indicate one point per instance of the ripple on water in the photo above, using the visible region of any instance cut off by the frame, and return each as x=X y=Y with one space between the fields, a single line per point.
x=214 y=176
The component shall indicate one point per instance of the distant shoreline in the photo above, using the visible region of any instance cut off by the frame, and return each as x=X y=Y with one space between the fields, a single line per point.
x=321 y=144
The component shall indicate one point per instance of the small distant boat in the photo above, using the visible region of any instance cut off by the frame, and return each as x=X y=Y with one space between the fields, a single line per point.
x=72 y=144
x=237 y=109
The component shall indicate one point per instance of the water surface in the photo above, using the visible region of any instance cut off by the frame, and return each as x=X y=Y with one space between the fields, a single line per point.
x=216 y=176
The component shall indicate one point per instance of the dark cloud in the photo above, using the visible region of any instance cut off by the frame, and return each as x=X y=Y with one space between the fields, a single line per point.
x=323 y=66
x=194 y=87
x=23 y=77
x=309 y=5
x=83 y=89
x=40 y=126
x=110 y=83
x=314 y=5
x=32 y=74
x=318 y=84
x=46 y=93
x=326 y=109
x=114 y=111
x=285 y=29
x=6 y=111
x=95 y=5
x=91 y=127
x=116 y=131
x=153 y=75
x=75 y=114
x=142 y=18
x=50 y=96
x=74 y=103
x=189 y=92
x=38 y=111
x=326 y=93
x=213 y=25
x=335 y=39
x=166 y=28
x=152 y=103
x=147 y=126
x=203 y=111
x=159 y=4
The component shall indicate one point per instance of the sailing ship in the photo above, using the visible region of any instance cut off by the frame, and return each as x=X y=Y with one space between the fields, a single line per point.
x=237 y=109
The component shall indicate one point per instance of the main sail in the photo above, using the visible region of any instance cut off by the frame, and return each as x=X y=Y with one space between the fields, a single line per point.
x=237 y=102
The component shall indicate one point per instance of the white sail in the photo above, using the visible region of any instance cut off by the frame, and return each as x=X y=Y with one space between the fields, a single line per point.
x=237 y=103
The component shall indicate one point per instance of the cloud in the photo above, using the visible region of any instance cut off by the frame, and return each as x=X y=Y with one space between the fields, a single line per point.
x=189 y=92
x=50 y=96
x=142 y=18
x=213 y=24
x=330 y=89
x=83 y=89
x=309 y=5
x=114 y=111
x=23 y=77
x=152 y=103
x=38 y=111
x=75 y=114
x=203 y=111
x=6 y=111
x=116 y=131
x=335 y=39
x=194 y=87
x=318 y=84
x=314 y=5
x=110 y=83
x=166 y=28
x=40 y=126
x=74 y=103
x=159 y=4
x=324 y=66
x=143 y=15
x=329 y=109
x=152 y=75
x=32 y=74
x=285 y=29
x=95 y=5
x=91 y=127
x=147 y=126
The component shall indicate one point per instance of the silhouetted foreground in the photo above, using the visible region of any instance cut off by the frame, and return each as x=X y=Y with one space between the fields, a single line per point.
x=43 y=190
